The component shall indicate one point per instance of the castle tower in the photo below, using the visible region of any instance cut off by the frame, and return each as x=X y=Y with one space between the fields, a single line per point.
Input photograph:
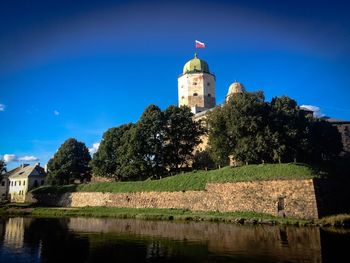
x=234 y=88
x=196 y=86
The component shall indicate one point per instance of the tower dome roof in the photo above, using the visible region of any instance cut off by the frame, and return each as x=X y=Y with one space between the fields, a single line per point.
x=234 y=88
x=196 y=65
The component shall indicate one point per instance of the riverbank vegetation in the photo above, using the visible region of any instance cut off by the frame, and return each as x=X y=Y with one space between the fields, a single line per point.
x=195 y=180
x=170 y=214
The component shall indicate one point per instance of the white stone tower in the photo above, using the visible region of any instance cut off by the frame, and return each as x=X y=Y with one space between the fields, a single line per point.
x=196 y=86
x=234 y=88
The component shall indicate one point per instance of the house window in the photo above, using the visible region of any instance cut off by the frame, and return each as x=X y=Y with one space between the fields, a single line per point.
x=15 y=183
x=195 y=94
x=182 y=97
x=42 y=182
x=19 y=183
x=36 y=183
x=194 y=83
x=24 y=183
x=209 y=95
x=208 y=84
x=3 y=183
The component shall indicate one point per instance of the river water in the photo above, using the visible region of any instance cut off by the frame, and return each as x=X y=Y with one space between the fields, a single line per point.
x=129 y=240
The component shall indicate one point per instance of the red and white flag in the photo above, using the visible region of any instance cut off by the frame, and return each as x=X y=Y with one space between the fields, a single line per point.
x=200 y=44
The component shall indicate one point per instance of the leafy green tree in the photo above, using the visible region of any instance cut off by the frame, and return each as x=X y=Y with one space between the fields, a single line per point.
x=2 y=168
x=247 y=127
x=181 y=134
x=324 y=141
x=107 y=161
x=148 y=143
x=70 y=162
x=288 y=127
x=203 y=161
x=219 y=143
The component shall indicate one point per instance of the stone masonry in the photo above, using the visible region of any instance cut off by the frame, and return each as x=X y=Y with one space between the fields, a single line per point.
x=294 y=198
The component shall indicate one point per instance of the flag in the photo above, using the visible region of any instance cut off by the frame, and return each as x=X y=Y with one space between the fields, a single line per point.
x=200 y=44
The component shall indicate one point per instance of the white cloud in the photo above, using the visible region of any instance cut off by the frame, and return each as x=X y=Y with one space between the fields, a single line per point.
x=56 y=112
x=2 y=107
x=94 y=148
x=28 y=158
x=9 y=158
x=316 y=110
x=13 y=158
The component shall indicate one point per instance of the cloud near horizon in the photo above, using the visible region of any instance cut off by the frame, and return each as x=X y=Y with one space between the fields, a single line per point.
x=94 y=148
x=316 y=110
x=13 y=158
x=2 y=107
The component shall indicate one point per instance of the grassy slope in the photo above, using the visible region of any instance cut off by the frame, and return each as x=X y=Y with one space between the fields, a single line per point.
x=194 y=180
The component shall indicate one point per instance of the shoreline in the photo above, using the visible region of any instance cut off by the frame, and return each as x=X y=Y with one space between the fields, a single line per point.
x=243 y=218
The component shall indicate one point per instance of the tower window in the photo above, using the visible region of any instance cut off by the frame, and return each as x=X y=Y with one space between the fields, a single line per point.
x=182 y=97
x=209 y=95
x=208 y=84
x=194 y=83
x=195 y=94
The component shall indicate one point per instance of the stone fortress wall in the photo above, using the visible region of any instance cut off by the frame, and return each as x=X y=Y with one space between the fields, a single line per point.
x=294 y=198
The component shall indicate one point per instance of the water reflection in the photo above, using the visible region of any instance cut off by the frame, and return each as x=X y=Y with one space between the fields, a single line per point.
x=105 y=240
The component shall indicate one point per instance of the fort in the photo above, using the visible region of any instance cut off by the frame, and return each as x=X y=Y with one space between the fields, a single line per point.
x=303 y=199
x=298 y=198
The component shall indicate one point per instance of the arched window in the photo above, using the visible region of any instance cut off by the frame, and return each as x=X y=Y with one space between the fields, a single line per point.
x=195 y=94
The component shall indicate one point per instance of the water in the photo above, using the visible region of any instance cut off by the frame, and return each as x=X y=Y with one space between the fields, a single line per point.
x=125 y=240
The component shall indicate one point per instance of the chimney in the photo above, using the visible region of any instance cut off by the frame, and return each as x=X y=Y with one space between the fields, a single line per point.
x=37 y=164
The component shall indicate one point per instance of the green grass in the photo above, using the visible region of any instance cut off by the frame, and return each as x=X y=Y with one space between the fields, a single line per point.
x=194 y=180
x=151 y=214
x=335 y=222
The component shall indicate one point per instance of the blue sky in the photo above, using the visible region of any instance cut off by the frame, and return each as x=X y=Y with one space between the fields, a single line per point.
x=76 y=69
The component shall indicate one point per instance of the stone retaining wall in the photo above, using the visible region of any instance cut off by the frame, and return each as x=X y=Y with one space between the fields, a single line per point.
x=297 y=197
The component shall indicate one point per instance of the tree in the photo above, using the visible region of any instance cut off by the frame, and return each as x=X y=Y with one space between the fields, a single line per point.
x=289 y=131
x=324 y=141
x=70 y=162
x=181 y=134
x=247 y=132
x=203 y=161
x=109 y=158
x=2 y=168
x=148 y=142
x=219 y=147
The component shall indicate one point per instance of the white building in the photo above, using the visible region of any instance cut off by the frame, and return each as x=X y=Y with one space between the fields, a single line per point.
x=23 y=179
